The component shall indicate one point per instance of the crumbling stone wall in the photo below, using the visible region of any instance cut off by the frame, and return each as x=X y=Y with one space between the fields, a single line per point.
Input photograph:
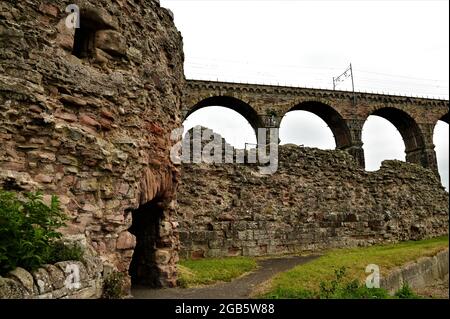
x=87 y=116
x=317 y=199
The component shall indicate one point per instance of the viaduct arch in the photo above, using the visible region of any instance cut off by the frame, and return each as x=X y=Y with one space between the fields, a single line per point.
x=331 y=117
x=232 y=103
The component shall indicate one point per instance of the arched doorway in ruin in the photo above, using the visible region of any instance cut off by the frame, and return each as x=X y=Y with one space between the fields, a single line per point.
x=153 y=261
x=144 y=268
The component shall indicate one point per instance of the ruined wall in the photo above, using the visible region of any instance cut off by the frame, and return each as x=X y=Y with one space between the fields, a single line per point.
x=87 y=116
x=317 y=199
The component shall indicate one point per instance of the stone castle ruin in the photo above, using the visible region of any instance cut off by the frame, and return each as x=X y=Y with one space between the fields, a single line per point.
x=86 y=114
x=317 y=199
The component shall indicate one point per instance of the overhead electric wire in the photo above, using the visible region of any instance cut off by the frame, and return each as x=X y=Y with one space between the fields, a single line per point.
x=384 y=82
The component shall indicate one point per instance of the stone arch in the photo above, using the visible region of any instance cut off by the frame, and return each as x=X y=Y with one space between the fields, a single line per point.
x=155 y=252
x=235 y=104
x=410 y=132
x=331 y=117
x=444 y=118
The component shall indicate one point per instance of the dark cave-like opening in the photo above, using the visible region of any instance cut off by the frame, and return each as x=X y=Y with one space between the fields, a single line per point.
x=146 y=221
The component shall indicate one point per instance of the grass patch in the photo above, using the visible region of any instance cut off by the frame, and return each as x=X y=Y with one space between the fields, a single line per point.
x=304 y=281
x=211 y=270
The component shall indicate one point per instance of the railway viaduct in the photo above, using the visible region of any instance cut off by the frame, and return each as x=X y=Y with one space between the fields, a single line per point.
x=344 y=112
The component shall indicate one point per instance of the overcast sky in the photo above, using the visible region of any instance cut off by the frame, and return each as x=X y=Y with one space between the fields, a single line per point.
x=397 y=47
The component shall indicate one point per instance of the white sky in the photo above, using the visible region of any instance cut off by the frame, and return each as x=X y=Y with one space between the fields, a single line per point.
x=399 y=47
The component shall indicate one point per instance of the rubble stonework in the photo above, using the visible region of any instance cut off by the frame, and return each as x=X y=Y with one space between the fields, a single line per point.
x=317 y=199
x=87 y=116
x=66 y=279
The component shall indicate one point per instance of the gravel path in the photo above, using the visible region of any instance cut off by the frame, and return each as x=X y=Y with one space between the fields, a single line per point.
x=237 y=289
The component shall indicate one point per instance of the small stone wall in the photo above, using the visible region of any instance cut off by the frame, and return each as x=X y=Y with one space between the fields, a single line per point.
x=419 y=274
x=66 y=279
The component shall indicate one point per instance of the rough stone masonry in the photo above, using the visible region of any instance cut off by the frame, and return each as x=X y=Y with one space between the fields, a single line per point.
x=317 y=199
x=86 y=114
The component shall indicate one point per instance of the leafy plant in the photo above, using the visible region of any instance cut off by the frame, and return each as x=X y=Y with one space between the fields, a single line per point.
x=64 y=252
x=114 y=286
x=28 y=230
x=405 y=292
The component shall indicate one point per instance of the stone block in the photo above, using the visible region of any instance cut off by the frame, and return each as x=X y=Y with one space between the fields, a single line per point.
x=56 y=275
x=111 y=42
x=42 y=280
x=126 y=240
x=12 y=289
x=23 y=277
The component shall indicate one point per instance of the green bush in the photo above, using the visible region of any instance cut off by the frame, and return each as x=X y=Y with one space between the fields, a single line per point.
x=405 y=292
x=114 y=286
x=28 y=231
x=64 y=252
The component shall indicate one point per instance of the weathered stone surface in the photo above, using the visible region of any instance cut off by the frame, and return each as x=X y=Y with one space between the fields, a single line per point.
x=89 y=119
x=317 y=199
x=24 y=277
x=75 y=268
x=111 y=41
x=84 y=129
x=56 y=275
x=11 y=289
x=417 y=274
x=42 y=280
x=162 y=256
x=126 y=240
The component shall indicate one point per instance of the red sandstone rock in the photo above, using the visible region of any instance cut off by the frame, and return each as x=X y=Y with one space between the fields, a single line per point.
x=85 y=119
x=111 y=41
x=126 y=240
x=42 y=178
x=67 y=116
x=49 y=9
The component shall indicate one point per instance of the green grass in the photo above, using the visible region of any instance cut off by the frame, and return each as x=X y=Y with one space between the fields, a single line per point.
x=304 y=281
x=210 y=270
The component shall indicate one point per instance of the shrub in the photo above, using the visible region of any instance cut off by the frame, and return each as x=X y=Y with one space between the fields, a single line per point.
x=28 y=230
x=64 y=252
x=114 y=286
x=405 y=292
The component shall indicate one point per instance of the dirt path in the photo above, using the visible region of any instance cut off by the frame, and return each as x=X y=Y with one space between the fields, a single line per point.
x=236 y=289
